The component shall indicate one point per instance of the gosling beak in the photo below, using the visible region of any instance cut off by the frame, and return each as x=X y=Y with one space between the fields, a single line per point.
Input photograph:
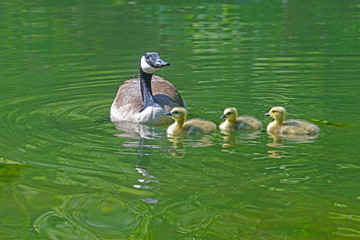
x=223 y=116
x=267 y=114
x=168 y=113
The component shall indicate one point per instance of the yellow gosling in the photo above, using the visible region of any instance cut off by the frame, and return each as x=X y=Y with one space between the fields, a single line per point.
x=189 y=127
x=232 y=121
x=280 y=126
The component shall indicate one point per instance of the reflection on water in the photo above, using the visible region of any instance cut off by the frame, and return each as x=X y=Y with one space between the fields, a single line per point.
x=144 y=133
x=181 y=143
x=233 y=137
x=282 y=141
x=136 y=130
x=139 y=136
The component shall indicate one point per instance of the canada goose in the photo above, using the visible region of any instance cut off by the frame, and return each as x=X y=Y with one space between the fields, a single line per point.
x=145 y=100
x=237 y=123
x=189 y=127
x=298 y=127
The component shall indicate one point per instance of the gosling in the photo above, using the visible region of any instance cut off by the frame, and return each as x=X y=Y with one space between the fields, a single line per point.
x=189 y=127
x=280 y=126
x=238 y=123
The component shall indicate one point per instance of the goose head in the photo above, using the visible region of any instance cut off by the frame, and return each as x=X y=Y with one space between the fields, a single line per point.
x=230 y=114
x=277 y=113
x=177 y=113
x=151 y=62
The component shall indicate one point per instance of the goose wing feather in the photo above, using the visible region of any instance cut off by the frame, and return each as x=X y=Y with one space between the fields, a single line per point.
x=129 y=94
x=165 y=94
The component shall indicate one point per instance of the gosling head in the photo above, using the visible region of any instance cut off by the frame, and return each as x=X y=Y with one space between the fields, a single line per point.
x=277 y=113
x=177 y=113
x=151 y=62
x=230 y=114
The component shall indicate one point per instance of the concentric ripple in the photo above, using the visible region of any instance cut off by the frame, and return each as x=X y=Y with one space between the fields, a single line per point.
x=58 y=117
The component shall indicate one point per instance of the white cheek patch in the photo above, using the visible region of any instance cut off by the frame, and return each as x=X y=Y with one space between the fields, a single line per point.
x=146 y=67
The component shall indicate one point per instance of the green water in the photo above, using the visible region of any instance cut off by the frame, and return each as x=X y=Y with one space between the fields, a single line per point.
x=68 y=172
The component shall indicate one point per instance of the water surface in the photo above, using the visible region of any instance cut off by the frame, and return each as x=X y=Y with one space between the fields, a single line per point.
x=68 y=172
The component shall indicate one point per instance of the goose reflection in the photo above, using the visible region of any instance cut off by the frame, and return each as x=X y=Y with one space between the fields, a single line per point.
x=140 y=138
x=142 y=165
x=136 y=130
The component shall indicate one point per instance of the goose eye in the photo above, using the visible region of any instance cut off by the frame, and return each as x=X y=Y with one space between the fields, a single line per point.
x=147 y=56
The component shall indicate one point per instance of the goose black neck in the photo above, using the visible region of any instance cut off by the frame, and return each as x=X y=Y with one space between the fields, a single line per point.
x=146 y=92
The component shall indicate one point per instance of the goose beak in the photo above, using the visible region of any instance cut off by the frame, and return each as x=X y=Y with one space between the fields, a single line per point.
x=267 y=114
x=168 y=113
x=161 y=63
x=223 y=116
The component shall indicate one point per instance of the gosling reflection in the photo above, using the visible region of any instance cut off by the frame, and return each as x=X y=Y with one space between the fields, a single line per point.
x=281 y=141
x=275 y=154
x=233 y=137
x=178 y=147
x=180 y=143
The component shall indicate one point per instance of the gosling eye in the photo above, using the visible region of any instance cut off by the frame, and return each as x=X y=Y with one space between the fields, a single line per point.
x=228 y=113
x=176 y=112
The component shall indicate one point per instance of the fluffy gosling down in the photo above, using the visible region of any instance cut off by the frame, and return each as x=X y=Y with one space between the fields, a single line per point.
x=232 y=121
x=189 y=127
x=280 y=126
